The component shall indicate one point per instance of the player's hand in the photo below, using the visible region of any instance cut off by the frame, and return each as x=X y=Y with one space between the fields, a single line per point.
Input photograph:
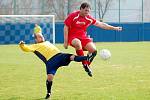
x=66 y=45
x=118 y=28
x=21 y=42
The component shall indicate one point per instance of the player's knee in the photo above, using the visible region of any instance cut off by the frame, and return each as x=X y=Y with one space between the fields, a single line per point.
x=50 y=77
x=77 y=44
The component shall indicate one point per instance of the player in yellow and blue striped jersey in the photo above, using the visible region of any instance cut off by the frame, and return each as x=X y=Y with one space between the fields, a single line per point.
x=51 y=56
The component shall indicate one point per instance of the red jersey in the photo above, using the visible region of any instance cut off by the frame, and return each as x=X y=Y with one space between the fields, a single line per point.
x=78 y=24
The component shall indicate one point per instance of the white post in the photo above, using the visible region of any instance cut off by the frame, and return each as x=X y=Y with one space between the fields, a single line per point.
x=54 y=29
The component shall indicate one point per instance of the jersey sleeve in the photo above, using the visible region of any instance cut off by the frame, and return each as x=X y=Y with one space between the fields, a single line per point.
x=28 y=48
x=68 y=20
x=93 y=20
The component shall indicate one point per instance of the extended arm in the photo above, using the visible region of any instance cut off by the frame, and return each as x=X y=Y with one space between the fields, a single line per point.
x=25 y=47
x=106 y=26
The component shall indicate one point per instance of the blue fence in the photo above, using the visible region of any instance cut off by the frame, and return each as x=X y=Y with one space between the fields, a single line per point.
x=131 y=32
x=13 y=33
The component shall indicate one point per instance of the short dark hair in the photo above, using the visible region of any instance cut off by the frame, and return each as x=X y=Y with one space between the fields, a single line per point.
x=85 y=5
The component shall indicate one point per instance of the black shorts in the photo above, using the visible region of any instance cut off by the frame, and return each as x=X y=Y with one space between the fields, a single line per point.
x=60 y=59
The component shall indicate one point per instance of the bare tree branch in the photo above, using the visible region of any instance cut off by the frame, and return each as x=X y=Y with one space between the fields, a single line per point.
x=102 y=8
x=58 y=7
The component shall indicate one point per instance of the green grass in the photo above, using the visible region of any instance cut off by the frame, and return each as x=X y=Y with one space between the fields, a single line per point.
x=126 y=76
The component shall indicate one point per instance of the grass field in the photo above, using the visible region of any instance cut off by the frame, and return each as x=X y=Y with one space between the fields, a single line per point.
x=126 y=76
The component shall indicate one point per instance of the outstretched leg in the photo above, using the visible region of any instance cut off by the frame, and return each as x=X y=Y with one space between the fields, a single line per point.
x=78 y=58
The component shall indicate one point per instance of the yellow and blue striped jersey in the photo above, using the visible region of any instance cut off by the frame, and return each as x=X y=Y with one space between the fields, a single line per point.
x=46 y=49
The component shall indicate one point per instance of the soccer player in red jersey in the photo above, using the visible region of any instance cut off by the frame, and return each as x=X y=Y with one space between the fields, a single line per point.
x=75 y=32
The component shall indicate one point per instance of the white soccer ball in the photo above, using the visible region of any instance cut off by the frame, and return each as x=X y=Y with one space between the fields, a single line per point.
x=105 y=54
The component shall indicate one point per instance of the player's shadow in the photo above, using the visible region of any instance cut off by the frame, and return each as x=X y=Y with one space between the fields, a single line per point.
x=18 y=98
x=39 y=99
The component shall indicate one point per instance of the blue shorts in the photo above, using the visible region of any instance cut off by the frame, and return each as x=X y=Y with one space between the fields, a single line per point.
x=60 y=59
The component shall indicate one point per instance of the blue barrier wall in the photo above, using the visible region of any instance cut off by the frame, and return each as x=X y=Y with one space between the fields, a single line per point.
x=131 y=32
x=13 y=33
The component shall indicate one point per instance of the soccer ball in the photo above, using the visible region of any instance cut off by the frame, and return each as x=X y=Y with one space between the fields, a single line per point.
x=105 y=54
